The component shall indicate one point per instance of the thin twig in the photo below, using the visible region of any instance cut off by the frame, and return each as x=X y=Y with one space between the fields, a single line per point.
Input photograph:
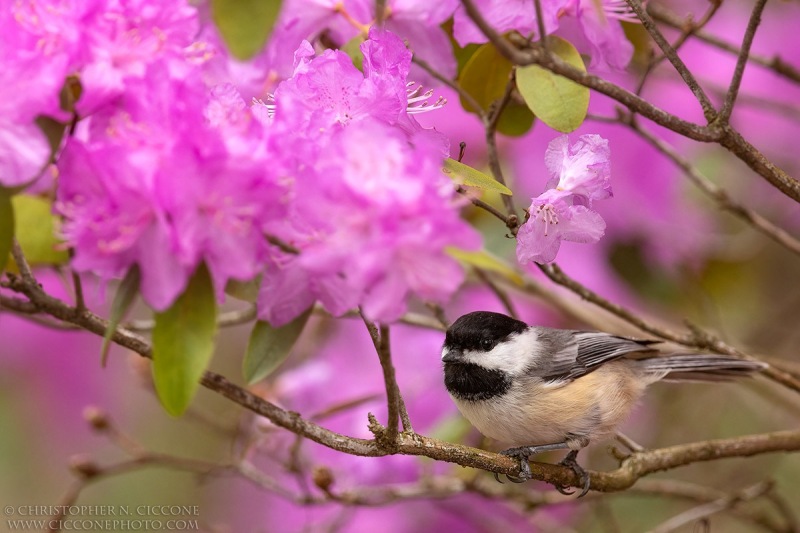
x=719 y=195
x=723 y=134
x=554 y=272
x=477 y=202
x=501 y=294
x=741 y=61
x=708 y=108
x=540 y=24
x=709 y=509
x=689 y=28
x=22 y=263
x=284 y=246
x=775 y=63
x=490 y=125
x=380 y=339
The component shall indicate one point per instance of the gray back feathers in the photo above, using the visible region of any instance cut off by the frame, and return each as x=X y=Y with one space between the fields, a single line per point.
x=570 y=354
x=567 y=355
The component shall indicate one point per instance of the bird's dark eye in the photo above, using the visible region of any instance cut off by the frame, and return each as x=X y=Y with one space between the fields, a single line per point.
x=487 y=344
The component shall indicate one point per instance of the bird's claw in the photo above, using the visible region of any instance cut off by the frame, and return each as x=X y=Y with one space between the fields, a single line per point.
x=525 y=473
x=570 y=461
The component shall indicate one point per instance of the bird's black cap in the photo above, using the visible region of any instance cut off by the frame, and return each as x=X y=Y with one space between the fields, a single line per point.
x=481 y=331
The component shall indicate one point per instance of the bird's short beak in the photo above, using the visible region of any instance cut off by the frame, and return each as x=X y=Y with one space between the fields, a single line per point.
x=450 y=356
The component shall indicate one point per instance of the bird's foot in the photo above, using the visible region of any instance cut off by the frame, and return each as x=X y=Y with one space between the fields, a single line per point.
x=571 y=462
x=522 y=454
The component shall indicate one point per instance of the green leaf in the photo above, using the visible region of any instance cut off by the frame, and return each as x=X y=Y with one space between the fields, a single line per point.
x=35 y=226
x=557 y=101
x=244 y=290
x=487 y=261
x=245 y=24
x=269 y=347
x=6 y=226
x=642 y=44
x=485 y=76
x=183 y=342
x=353 y=50
x=461 y=173
x=123 y=299
x=53 y=130
x=515 y=120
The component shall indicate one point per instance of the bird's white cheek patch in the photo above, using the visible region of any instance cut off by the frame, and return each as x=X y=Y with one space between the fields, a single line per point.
x=513 y=355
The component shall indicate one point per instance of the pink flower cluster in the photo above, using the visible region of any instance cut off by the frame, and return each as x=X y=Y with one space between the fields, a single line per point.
x=372 y=211
x=579 y=174
x=170 y=167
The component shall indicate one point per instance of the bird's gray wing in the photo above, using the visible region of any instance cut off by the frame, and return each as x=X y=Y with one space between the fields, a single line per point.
x=570 y=354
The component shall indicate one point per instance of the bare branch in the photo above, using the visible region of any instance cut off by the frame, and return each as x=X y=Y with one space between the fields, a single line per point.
x=380 y=339
x=776 y=64
x=718 y=194
x=741 y=61
x=490 y=125
x=712 y=508
x=688 y=28
x=722 y=134
x=708 y=108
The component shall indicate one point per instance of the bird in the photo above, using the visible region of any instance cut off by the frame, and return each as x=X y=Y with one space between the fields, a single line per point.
x=539 y=389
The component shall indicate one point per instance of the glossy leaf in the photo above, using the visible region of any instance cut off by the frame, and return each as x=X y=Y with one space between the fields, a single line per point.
x=183 y=342
x=123 y=300
x=245 y=24
x=461 y=173
x=515 y=120
x=244 y=290
x=485 y=76
x=557 y=101
x=53 y=130
x=487 y=261
x=35 y=227
x=6 y=227
x=353 y=50
x=269 y=347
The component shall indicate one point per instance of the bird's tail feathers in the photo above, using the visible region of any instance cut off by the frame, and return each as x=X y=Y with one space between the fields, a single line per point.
x=697 y=367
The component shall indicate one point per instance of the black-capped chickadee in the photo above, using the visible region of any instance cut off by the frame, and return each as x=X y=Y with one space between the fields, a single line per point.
x=544 y=389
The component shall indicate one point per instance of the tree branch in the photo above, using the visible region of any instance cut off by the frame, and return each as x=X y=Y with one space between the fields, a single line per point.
x=741 y=61
x=775 y=64
x=708 y=108
x=716 y=193
x=722 y=134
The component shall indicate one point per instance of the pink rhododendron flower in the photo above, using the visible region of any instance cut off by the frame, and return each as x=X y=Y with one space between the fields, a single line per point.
x=554 y=218
x=415 y=21
x=583 y=169
x=373 y=213
x=593 y=26
x=579 y=174
x=372 y=228
x=125 y=38
x=151 y=181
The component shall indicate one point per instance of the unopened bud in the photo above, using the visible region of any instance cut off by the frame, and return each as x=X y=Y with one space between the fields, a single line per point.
x=96 y=418
x=323 y=478
x=83 y=465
